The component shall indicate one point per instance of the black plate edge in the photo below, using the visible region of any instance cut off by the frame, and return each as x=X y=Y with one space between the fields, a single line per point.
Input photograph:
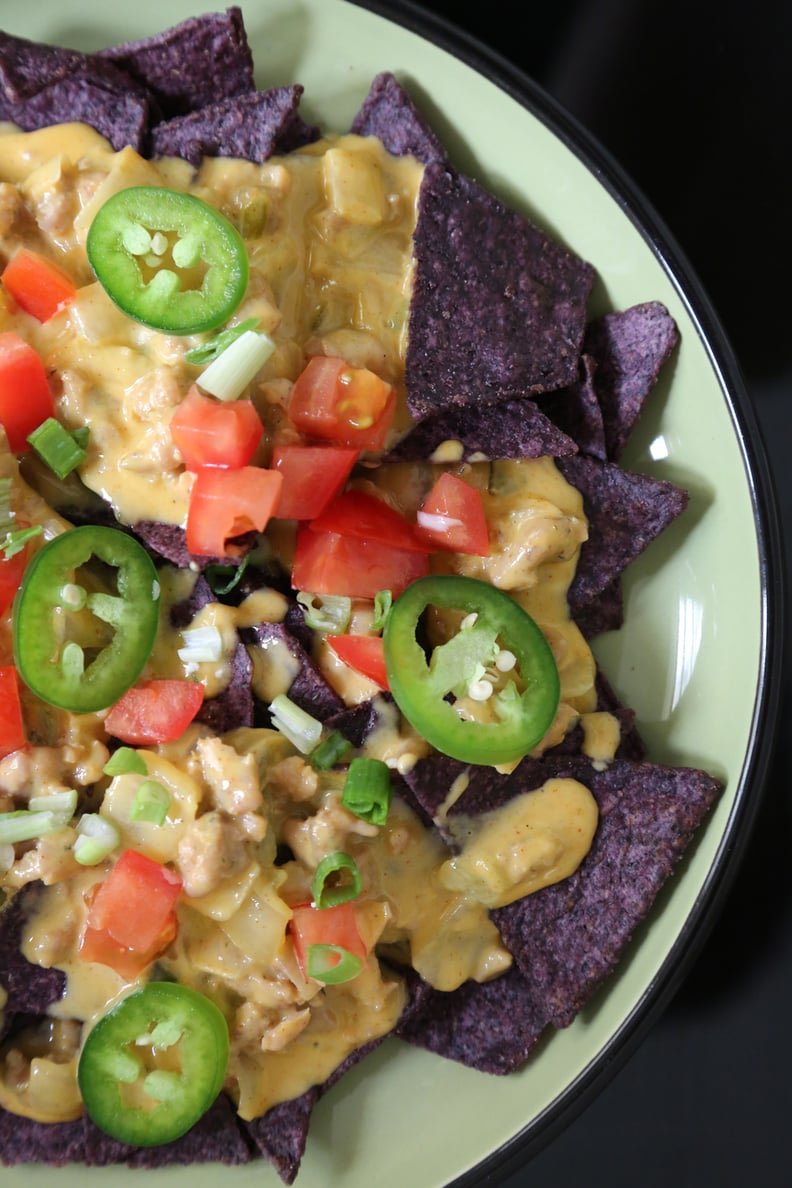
x=766 y=718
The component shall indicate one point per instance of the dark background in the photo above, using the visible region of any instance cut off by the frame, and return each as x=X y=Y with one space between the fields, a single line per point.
x=694 y=101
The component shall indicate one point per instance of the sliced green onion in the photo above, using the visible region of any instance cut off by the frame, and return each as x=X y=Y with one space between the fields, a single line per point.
x=15 y=541
x=331 y=964
x=383 y=601
x=332 y=616
x=223 y=579
x=202 y=645
x=347 y=886
x=24 y=825
x=96 y=839
x=151 y=803
x=56 y=447
x=294 y=723
x=201 y=355
x=231 y=372
x=125 y=761
x=57 y=802
x=6 y=515
x=330 y=751
x=367 y=791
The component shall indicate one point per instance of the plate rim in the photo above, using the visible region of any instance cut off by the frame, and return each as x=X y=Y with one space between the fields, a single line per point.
x=752 y=783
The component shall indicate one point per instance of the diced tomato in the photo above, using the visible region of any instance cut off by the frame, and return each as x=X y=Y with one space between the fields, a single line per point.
x=131 y=918
x=312 y=476
x=156 y=711
x=25 y=397
x=452 y=517
x=12 y=728
x=364 y=653
x=348 y=405
x=11 y=571
x=37 y=285
x=210 y=432
x=328 y=563
x=326 y=926
x=227 y=503
x=367 y=517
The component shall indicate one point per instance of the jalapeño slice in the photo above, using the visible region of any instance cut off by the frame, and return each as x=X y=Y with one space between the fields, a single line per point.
x=153 y=1065
x=85 y=618
x=519 y=718
x=167 y=259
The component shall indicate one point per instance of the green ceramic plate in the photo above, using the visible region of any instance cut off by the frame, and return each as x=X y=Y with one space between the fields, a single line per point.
x=695 y=657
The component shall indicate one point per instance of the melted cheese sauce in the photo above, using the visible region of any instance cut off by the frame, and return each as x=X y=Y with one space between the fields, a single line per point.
x=329 y=232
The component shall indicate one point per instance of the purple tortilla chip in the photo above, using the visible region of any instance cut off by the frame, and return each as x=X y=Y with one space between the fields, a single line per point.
x=24 y=1141
x=498 y=308
x=629 y=347
x=215 y=1138
x=309 y=689
x=169 y=541
x=605 y=612
x=356 y=722
x=389 y=113
x=30 y=988
x=490 y=1026
x=519 y=430
x=234 y=706
x=192 y=64
x=281 y=1133
x=576 y=411
x=625 y=511
x=41 y=85
x=252 y=127
x=567 y=937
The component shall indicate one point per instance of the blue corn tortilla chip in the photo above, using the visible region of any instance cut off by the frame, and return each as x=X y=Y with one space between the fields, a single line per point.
x=490 y=1026
x=626 y=511
x=629 y=347
x=24 y=1141
x=30 y=988
x=604 y=612
x=216 y=1137
x=280 y=1134
x=234 y=706
x=389 y=113
x=251 y=126
x=568 y=937
x=498 y=308
x=197 y=62
x=309 y=689
x=519 y=430
x=576 y=411
x=169 y=542
x=42 y=85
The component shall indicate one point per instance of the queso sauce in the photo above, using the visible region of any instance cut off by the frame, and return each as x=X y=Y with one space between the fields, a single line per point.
x=328 y=232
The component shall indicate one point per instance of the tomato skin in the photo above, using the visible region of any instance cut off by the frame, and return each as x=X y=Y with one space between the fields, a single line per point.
x=364 y=653
x=329 y=563
x=312 y=477
x=156 y=711
x=226 y=503
x=11 y=571
x=12 y=728
x=326 y=926
x=348 y=405
x=210 y=432
x=38 y=286
x=25 y=397
x=464 y=526
x=131 y=918
x=367 y=517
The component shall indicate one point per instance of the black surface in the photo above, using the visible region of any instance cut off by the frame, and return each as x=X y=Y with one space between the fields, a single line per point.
x=694 y=100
